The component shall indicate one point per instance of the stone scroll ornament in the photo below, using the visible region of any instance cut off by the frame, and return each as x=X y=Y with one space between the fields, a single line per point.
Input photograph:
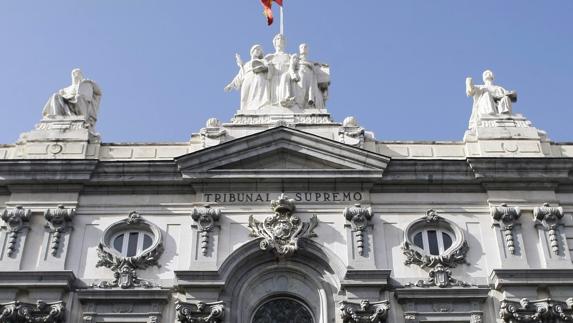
x=281 y=232
x=440 y=274
x=16 y=219
x=19 y=312
x=59 y=221
x=124 y=268
x=544 y=310
x=507 y=217
x=364 y=312
x=359 y=219
x=205 y=218
x=549 y=217
x=200 y=312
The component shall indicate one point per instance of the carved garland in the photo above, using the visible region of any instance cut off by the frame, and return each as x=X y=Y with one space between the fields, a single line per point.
x=507 y=217
x=439 y=275
x=281 y=232
x=544 y=310
x=359 y=218
x=19 y=312
x=124 y=268
x=59 y=221
x=549 y=218
x=205 y=218
x=200 y=312
x=363 y=312
x=16 y=219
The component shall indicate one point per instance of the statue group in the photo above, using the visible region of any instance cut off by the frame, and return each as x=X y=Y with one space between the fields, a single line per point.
x=80 y=99
x=281 y=79
x=489 y=100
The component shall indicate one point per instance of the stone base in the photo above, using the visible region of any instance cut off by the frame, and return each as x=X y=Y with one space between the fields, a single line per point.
x=61 y=138
x=506 y=136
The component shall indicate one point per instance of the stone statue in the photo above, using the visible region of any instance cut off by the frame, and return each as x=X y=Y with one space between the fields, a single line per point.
x=307 y=92
x=280 y=80
x=81 y=98
x=252 y=80
x=489 y=99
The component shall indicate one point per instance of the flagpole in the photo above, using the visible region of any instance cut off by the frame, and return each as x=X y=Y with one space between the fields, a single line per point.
x=282 y=20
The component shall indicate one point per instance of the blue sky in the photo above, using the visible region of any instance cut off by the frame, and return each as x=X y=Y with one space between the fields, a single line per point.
x=398 y=66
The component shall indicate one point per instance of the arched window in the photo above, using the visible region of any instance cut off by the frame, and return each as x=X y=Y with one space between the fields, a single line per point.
x=282 y=310
x=131 y=243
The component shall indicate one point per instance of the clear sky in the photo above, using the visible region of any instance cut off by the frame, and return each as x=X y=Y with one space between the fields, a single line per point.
x=398 y=66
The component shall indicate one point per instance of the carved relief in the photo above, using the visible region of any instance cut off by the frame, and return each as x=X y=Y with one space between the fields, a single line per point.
x=359 y=218
x=59 y=221
x=365 y=311
x=16 y=219
x=544 y=310
x=18 y=312
x=549 y=217
x=281 y=232
x=507 y=217
x=199 y=312
x=205 y=218
x=440 y=274
x=476 y=318
x=213 y=133
x=124 y=268
x=351 y=133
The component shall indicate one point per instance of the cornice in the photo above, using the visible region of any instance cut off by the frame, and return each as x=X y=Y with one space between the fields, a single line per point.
x=37 y=279
x=46 y=171
x=116 y=294
x=503 y=278
x=459 y=293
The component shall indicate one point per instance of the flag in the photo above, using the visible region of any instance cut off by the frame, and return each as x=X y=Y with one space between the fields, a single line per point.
x=268 y=11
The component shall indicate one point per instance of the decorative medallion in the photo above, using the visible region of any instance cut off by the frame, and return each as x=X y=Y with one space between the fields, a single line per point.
x=549 y=217
x=544 y=310
x=281 y=232
x=359 y=219
x=205 y=218
x=507 y=217
x=199 y=312
x=364 y=312
x=124 y=268
x=59 y=221
x=16 y=219
x=440 y=274
x=18 y=312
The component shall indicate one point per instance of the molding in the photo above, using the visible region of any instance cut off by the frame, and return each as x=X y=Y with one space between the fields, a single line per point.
x=205 y=217
x=40 y=312
x=359 y=218
x=366 y=278
x=408 y=294
x=113 y=295
x=59 y=221
x=37 y=279
x=543 y=310
x=365 y=311
x=504 y=278
x=46 y=171
x=200 y=312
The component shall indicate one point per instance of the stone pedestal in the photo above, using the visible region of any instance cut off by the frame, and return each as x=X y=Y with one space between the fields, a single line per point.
x=61 y=138
x=506 y=136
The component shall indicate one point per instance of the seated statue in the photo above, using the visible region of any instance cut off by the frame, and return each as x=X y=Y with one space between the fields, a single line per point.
x=82 y=98
x=489 y=99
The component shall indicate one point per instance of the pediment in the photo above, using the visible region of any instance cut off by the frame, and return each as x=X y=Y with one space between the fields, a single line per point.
x=282 y=153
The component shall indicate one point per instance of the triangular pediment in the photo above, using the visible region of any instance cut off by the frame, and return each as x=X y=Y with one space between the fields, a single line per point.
x=282 y=153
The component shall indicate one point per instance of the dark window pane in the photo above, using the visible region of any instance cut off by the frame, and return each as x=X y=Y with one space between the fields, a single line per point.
x=282 y=311
x=132 y=244
x=118 y=243
x=418 y=241
x=147 y=241
x=447 y=240
x=433 y=242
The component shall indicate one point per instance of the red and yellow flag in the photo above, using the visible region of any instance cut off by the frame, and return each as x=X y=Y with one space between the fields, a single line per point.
x=268 y=11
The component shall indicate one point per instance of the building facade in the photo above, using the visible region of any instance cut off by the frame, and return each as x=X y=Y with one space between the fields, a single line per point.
x=284 y=215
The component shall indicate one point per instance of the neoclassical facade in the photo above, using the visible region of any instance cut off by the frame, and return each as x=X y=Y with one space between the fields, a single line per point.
x=283 y=215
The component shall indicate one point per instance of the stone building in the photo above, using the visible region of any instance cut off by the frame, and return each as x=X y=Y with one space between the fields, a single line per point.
x=285 y=215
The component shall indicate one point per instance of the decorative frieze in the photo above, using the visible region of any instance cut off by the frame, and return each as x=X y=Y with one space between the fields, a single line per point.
x=200 y=312
x=359 y=219
x=281 y=232
x=205 y=217
x=59 y=221
x=363 y=312
x=124 y=267
x=440 y=276
x=19 y=312
x=507 y=216
x=549 y=217
x=544 y=310
x=16 y=219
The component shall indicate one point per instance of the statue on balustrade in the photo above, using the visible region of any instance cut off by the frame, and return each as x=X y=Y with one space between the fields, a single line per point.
x=81 y=98
x=489 y=99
